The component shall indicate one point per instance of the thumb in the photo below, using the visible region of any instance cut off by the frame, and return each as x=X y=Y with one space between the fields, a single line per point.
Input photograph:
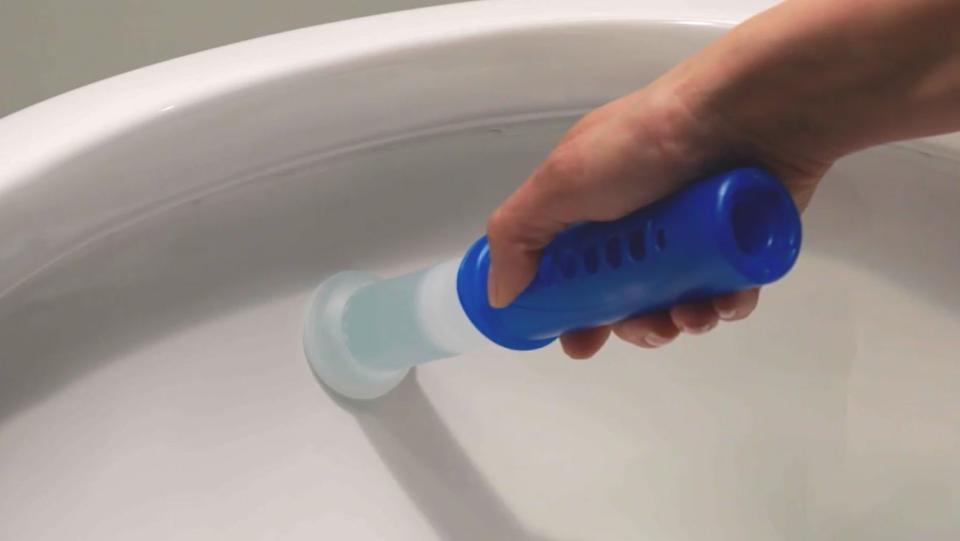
x=517 y=232
x=603 y=173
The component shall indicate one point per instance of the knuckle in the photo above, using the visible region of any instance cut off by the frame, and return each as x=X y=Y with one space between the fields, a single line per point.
x=565 y=164
x=498 y=224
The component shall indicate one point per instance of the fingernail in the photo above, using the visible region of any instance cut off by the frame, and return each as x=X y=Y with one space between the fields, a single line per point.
x=655 y=340
x=493 y=290
x=703 y=329
x=727 y=315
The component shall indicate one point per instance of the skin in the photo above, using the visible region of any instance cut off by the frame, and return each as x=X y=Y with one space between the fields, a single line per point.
x=793 y=89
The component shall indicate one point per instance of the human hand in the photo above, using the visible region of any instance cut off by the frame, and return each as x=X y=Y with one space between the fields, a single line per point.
x=618 y=158
x=792 y=89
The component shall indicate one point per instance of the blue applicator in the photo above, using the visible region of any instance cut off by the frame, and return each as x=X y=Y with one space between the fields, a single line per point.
x=731 y=231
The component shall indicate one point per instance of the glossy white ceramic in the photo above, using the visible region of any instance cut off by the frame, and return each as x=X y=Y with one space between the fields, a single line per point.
x=161 y=231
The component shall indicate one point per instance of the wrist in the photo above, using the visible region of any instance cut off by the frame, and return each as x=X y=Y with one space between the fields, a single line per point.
x=819 y=79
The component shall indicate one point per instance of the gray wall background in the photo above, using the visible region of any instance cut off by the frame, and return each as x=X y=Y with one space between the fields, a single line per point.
x=50 y=46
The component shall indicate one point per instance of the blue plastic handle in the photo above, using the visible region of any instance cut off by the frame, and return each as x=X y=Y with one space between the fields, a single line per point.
x=731 y=231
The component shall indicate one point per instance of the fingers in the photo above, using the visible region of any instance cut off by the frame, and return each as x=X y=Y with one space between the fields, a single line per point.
x=584 y=344
x=649 y=331
x=659 y=329
x=695 y=318
x=736 y=306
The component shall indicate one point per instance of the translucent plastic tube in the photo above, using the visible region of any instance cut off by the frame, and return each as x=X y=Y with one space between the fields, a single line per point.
x=363 y=334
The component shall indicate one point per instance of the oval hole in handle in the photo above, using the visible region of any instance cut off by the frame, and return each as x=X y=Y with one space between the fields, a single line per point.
x=591 y=260
x=636 y=245
x=614 y=252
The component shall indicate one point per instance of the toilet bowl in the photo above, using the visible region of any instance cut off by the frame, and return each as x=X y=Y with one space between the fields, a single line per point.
x=161 y=232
